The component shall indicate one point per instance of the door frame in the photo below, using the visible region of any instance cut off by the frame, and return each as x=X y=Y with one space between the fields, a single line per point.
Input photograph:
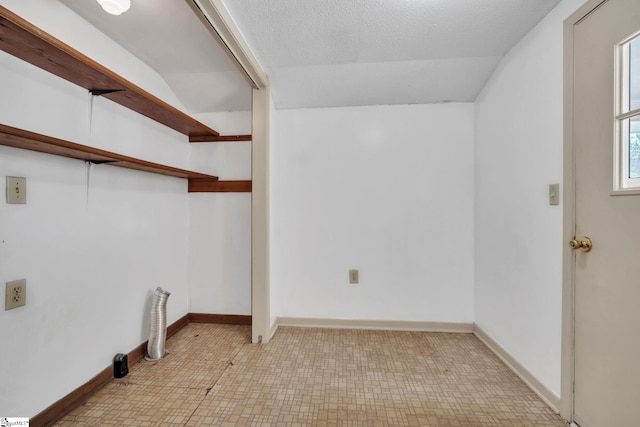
x=567 y=375
x=216 y=17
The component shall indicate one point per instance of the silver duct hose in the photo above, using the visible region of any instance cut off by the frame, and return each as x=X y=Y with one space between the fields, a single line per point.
x=158 y=334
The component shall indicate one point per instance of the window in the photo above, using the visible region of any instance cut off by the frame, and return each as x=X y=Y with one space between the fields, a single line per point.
x=628 y=116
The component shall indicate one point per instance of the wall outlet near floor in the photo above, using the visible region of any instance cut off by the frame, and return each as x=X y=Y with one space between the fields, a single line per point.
x=16 y=294
x=16 y=190
x=354 y=276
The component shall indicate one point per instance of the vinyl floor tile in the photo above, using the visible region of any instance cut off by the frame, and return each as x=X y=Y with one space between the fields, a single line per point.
x=318 y=377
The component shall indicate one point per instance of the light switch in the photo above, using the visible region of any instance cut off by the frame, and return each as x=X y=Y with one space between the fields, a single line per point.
x=16 y=190
x=354 y=277
x=554 y=194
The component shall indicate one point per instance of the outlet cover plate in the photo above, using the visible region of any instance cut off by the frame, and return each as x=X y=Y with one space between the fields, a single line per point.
x=354 y=277
x=16 y=294
x=16 y=190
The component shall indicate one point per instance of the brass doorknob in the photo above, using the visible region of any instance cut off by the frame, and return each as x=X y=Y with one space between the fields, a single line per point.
x=584 y=245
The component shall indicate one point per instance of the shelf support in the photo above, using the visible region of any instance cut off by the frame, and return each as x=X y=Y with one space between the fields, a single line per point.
x=100 y=92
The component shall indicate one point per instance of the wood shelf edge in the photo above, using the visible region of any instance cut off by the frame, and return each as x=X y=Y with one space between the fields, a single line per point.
x=220 y=138
x=20 y=138
x=24 y=40
x=197 y=185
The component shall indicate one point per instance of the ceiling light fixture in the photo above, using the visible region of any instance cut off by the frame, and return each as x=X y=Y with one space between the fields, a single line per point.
x=115 y=7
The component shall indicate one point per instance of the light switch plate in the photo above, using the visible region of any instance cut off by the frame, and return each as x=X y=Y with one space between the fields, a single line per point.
x=354 y=277
x=16 y=190
x=554 y=194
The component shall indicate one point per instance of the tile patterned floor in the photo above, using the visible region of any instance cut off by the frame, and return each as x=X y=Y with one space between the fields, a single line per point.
x=317 y=377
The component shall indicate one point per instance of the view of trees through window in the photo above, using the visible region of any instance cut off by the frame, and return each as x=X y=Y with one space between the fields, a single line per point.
x=634 y=104
x=634 y=155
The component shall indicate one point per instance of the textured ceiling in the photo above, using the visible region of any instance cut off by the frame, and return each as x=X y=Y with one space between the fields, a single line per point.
x=325 y=53
x=358 y=52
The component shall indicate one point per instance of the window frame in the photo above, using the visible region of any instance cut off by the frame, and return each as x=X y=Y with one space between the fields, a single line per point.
x=623 y=115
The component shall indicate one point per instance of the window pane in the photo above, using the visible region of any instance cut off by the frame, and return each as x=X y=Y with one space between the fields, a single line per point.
x=634 y=74
x=633 y=126
x=628 y=112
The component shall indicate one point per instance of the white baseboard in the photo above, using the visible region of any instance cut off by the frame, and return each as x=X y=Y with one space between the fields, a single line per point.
x=387 y=325
x=274 y=328
x=549 y=397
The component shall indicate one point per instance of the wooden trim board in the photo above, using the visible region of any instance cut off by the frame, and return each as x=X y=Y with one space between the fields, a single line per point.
x=72 y=400
x=80 y=395
x=198 y=185
x=221 y=138
x=137 y=354
x=224 y=319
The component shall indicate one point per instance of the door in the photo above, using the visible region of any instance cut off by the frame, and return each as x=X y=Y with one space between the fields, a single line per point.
x=607 y=278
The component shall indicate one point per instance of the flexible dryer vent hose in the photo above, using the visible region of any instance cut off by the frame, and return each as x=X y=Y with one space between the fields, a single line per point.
x=158 y=334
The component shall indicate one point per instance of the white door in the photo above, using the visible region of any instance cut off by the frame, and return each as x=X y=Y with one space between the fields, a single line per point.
x=607 y=279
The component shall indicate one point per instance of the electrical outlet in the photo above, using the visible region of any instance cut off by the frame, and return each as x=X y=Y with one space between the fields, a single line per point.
x=16 y=190
x=16 y=295
x=354 y=277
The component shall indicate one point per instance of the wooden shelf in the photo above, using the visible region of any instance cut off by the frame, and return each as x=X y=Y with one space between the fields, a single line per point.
x=19 y=138
x=221 y=138
x=29 y=43
x=197 y=185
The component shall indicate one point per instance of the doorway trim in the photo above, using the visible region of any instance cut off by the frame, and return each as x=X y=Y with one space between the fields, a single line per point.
x=215 y=15
x=567 y=376
x=261 y=330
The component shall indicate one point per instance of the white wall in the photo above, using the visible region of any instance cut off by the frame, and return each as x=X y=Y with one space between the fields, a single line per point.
x=518 y=235
x=220 y=232
x=92 y=251
x=387 y=190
